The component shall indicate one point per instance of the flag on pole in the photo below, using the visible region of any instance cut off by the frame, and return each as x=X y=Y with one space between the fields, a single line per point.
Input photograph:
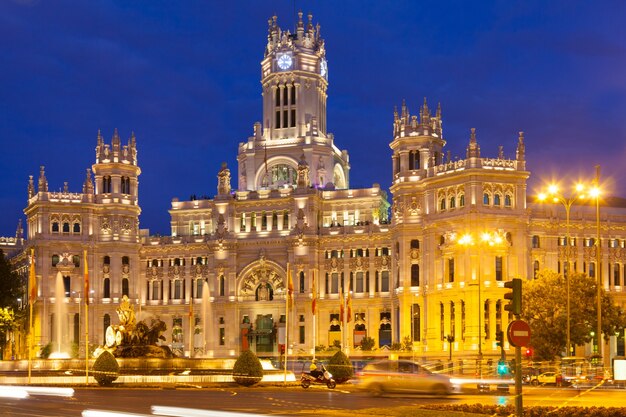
x=289 y=285
x=313 y=293
x=32 y=279
x=349 y=306
x=341 y=306
x=86 y=278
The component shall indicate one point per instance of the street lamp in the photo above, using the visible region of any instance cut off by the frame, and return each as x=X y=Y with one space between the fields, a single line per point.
x=595 y=193
x=554 y=195
x=488 y=239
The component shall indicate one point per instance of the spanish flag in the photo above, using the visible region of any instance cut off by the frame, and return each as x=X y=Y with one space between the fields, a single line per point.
x=32 y=279
x=349 y=306
x=86 y=294
x=341 y=306
x=313 y=293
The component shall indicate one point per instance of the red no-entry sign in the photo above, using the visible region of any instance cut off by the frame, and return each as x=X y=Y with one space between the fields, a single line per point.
x=519 y=333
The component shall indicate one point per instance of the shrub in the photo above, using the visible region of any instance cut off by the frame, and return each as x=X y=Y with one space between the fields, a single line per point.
x=247 y=370
x=367 y=343
x=106 y=369
x=45 y=351
x=407 y=344
x=341 y=368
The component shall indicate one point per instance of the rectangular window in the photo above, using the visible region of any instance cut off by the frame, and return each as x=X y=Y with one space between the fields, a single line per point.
x=498 y=268
x=285 y=118
x=334 y=281
x=285 y=95
x=301 y=336
x=359 y=282
x=451 y=270
x=177 y=289
x=293 y=118
x=277 y=97
x=222 y=336
x=293 y=95
x=415 y=325
x=277 y=124
x=384 y=281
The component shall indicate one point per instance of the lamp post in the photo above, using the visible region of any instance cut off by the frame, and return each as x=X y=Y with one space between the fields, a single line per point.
x=488 y=239
x=554 y=195
x=595 y=193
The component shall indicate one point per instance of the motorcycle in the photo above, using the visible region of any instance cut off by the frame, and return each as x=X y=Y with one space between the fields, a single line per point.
x=326 y=378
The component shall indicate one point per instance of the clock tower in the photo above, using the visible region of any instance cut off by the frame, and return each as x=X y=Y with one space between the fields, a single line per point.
x=294 y=79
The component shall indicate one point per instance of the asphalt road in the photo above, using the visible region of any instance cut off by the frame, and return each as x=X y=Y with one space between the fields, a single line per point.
x=284 y=401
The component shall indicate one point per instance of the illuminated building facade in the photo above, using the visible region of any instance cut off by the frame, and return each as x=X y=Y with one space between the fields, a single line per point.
x=416 y=269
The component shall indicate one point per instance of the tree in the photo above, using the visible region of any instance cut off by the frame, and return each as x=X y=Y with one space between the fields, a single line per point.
x=11 y=287
x=544 y=307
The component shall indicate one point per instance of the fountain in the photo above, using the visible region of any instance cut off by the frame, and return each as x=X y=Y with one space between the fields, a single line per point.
x=60 y=315
x=207 y=313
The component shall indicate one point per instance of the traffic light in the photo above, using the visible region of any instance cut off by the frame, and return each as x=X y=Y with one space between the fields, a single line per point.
x=503 y=368
x=500 y=339
x=515 y=296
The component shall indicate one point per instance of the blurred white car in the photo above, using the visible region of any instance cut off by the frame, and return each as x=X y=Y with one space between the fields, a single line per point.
x=402 y=376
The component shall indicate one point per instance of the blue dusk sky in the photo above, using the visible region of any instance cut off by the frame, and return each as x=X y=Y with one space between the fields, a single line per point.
x=184 y=76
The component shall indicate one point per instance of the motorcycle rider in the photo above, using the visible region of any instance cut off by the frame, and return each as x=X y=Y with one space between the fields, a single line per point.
x=315 y=371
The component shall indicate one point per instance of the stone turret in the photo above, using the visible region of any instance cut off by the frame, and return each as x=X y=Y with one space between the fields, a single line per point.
x=473 y=149
x=43 y=182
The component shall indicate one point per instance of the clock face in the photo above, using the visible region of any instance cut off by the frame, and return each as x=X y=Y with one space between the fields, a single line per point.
x=284 y=61
x=323 y=68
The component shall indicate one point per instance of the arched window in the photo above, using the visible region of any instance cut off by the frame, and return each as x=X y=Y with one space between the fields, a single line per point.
x=616 y=275
x=507 y=200
x=462 y=200
x=301 y=276
x=442 y=204
x=55 y=227
x=415 y=244
x=496 y=200
x=107 y=288
x=415 y=275
x=486 y=200
x=125 y=260
x=536 y=242
x=55 y=260
x=535 y=269
x=76 y=228
x=76 y=261
x=106 y=260
x=222 y=285
x=125 y=289
x=66 y=227
x=156 y=286
x=155 y=262
x=452 y=202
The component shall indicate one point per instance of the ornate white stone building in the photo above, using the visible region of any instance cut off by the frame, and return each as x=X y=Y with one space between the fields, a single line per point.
x=403 y=266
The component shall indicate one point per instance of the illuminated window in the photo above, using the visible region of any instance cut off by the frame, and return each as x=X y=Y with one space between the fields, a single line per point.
x=496 y=200
x=106 y=293
x=415 y=275
x=486 y=200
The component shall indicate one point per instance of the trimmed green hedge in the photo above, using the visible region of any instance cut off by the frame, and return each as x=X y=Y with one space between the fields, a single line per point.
x=106 y=369
x=538 y=411
x=248 y=369
x=341 y=367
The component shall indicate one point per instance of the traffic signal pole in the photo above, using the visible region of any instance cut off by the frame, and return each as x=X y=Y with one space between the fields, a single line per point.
x=518 y=334
x=519 y=409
